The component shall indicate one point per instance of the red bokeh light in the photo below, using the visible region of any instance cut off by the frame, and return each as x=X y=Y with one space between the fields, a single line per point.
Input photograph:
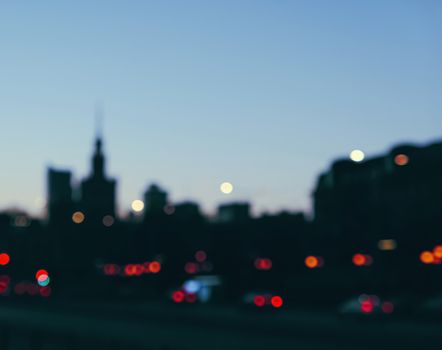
x=276 y=301
x=45 y=292
x=259 y=300
x=191 y=268
x=359 y=259
x=367 y=307
x=4 y=259
x=200 y=256
x=110 y=269
x=263 y=264
x=40 y=273
x=178 y=296
x=155 y=267
x=4 y=284
x=387 y=307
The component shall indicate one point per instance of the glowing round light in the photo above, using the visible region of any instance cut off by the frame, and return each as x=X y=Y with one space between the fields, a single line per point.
x=263 y=264
x=108 y=220
x=137 y=205
x=311 y=262
x=357 y=155
x=78 y=217
x=226 y=187
x=4 y=259
x=401 y=160
x=367 y=307
x=276 y=301
x=110 y=269
x=200 y=256
x=178 y=296
x=387 y=307
x=154 y=267
x=359 y=260
x=427 y=257
x=191 y=268
x=169 y=209
x=192 y=286
x=437 y=251
x=41 y=272
x=259 y=300
x=43 y=280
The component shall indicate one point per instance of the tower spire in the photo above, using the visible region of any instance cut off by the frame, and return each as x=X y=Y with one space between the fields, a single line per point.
x=98 y=121
x=98 y=157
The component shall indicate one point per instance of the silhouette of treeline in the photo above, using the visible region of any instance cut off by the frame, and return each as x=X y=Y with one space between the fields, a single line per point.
x=387 y=208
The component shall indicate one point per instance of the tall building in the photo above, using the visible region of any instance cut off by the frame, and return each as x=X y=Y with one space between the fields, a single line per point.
x=155 y=200
x=98 y=191
x=391 y=195
x=59 y=196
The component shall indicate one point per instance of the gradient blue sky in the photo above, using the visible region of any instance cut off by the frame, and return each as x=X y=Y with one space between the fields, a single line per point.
x=265 y=94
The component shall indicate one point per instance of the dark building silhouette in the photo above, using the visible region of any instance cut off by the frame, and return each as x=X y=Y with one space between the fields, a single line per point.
x=395 y=194
x=155 y=201
x=187 y=211
x=233 y=212
x=97 y=191
x=59 y=196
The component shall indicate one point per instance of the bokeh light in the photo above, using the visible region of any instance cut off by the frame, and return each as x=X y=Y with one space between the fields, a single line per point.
x=311 y=262
x=401 y=160
x=178 y=296
x=427 y=257
x=200 y=256
x=78 y=217
x=437 y=251
x=108 y=220
x=276 y=301
x=259 y=300
x=4 y=259
x=154 y=267
x=357 y=155
x=226 y=187
x=137 y=205
x=387 y=244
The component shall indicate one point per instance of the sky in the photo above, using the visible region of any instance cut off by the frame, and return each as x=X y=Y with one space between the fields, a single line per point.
x=263 y=94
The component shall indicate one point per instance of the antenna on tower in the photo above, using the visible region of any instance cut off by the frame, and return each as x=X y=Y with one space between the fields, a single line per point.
x=98 y=120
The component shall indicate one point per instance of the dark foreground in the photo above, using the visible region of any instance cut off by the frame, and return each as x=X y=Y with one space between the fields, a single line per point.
x=110 y=326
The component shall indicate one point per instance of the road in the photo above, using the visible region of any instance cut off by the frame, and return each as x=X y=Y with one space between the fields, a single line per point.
x=135 y=325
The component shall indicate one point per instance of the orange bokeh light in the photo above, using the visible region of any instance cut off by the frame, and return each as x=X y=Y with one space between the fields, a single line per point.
x=427 y=257
x=154 y=267
x=78 y=217
x=437 y=251
x=401 y=159
x=359 y=259
x=311 y=262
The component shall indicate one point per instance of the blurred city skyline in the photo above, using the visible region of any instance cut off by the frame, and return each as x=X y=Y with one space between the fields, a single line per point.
x=261 y=94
